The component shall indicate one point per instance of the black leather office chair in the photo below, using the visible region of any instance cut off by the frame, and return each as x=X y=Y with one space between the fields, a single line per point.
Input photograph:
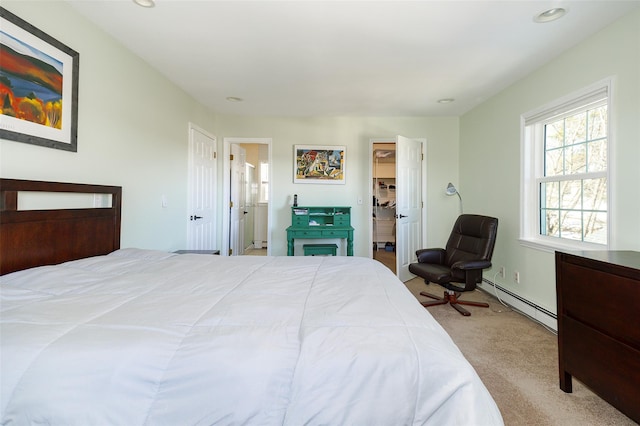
x=467 y=253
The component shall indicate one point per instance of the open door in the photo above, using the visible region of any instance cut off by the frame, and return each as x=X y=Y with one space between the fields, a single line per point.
x=237 y=209
x=409 y=160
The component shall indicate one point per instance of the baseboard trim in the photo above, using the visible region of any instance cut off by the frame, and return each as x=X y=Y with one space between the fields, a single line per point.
x=535 y=312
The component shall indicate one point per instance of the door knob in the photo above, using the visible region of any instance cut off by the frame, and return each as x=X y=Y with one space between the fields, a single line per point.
x=196 y=217
x=400 y=216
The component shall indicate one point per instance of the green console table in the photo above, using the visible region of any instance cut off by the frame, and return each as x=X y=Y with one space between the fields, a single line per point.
x=320 y=222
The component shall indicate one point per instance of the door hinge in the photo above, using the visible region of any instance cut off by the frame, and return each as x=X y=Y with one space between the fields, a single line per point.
x=230 y=204
x=231 y=157
x=215 y=155
x=230 y=251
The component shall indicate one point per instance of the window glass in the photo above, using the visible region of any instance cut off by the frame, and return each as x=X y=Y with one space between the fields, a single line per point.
x=597 y=155
x=575 y=128
x=264 y=182
x=566 y=165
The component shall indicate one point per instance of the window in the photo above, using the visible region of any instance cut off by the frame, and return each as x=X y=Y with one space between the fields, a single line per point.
x=565 y=172
x=264 y=182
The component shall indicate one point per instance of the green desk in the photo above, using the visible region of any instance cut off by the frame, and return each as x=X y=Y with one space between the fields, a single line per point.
x=320 y=223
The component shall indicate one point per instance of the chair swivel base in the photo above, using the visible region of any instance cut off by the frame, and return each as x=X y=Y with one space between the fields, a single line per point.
x=451 y=297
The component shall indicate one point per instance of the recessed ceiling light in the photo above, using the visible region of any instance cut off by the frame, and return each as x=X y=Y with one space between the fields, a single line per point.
x=445 y=100
x=234 y=99
x=550 y=15
x=145 y=3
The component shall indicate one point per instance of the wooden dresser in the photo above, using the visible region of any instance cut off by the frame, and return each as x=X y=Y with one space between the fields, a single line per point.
x=599 y=324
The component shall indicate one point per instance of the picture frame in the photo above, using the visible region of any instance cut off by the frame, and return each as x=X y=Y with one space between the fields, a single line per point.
x=320 y=164
x=38 y=86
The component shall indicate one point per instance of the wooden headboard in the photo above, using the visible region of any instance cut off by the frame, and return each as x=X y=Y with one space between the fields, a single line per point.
x=31 y=238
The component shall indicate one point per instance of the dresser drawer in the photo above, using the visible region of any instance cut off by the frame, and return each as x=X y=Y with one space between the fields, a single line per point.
x=604 y=301
x=611 y=369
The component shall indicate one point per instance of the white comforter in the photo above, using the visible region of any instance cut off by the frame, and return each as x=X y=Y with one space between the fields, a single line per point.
x=150 y=338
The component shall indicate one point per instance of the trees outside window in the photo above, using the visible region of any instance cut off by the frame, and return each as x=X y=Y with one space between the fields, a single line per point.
x=565 y=164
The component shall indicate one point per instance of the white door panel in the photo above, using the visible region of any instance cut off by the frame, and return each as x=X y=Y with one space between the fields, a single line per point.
x=408 y=204
x=237 y=208
x=201 y=234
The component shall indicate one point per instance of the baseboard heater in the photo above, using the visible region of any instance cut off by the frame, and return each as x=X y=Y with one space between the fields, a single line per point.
x=535 y=312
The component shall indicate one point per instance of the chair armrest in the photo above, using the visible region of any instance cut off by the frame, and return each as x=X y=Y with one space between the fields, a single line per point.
x=471 y=264
x=431 y=255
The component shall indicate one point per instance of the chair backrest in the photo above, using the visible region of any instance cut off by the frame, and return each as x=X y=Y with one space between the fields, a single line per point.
x=472 y=238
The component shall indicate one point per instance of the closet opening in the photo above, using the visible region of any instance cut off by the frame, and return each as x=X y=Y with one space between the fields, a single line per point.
x=384 y=204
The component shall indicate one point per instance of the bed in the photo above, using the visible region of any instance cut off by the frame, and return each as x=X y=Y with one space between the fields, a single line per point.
x=143 y=337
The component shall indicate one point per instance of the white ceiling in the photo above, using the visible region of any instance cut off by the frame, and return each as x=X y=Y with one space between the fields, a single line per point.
x=347 y=58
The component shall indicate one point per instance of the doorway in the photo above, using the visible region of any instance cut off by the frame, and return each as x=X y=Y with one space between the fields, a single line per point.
x=247 y=211
x=397 y=190
x=384 y=203
x=255 y=203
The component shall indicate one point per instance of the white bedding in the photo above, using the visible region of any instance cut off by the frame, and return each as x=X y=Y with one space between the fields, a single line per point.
x=150 y=338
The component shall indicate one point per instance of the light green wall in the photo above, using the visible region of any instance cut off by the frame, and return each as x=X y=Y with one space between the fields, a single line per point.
x=490 y=151
x=355 y=134
x=132 y=132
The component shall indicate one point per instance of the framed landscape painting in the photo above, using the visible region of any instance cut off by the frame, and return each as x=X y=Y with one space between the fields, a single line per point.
x=319 y=164
x=38 y=86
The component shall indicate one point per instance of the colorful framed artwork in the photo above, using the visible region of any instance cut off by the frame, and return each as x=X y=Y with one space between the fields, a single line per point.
x=319 y=164
x=38 y=86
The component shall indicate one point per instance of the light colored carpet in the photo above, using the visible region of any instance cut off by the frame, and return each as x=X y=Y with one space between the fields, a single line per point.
x=517 y=359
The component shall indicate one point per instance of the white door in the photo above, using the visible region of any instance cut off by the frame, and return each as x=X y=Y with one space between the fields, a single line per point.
x=250 y=204
x=409 y=160
x=201 y=231
x=237 y=208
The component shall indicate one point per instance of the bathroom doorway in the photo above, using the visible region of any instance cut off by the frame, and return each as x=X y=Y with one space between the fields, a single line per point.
x=247 y=193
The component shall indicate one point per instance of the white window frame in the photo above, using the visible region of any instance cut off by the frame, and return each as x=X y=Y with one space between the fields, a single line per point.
x=532 y=163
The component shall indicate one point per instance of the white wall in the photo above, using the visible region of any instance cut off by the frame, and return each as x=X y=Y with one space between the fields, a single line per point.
x=132 y=131
x=354 y=133
x=490 y=151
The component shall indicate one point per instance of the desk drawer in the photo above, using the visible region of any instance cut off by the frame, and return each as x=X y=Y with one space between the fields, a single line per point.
x=341 y=220
x=334 y=233
x=309 y=234
x=300 y=221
